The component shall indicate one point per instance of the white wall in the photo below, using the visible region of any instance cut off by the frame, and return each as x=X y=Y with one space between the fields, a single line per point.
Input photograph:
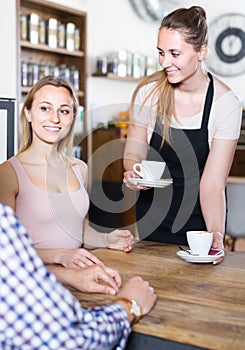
x=113 y=25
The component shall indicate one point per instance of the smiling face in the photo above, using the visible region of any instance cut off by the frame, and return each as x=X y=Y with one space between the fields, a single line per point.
x=178 y=58
x=51 y=114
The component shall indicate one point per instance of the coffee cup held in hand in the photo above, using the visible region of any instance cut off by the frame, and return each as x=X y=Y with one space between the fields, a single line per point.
x=149 y=169
x=199 y=242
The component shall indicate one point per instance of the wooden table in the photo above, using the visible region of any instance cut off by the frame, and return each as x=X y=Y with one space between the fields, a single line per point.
x=198 y=306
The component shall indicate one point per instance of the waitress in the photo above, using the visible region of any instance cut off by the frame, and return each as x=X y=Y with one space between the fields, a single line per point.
x=188 y=118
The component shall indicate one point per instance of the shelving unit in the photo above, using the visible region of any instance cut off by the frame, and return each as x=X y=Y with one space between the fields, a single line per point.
x=115 y=77
x=43 y=52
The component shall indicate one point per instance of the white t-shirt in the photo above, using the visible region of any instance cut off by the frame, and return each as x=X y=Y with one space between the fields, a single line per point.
x=224 y=120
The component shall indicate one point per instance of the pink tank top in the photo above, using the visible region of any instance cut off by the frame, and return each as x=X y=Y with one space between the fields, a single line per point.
x=53 y=220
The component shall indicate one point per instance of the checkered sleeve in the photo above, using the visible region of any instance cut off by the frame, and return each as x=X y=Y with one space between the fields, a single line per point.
x=38 y=312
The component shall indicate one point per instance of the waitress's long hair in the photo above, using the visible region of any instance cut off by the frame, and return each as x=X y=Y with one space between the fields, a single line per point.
x=64 y=145
x=192 y=25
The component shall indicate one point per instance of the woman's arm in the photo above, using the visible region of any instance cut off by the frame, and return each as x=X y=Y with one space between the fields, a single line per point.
x=135 y=150
x=70 y=258
x=136 y=145
x=212 y=188
x=9 y=187
x=117 y=239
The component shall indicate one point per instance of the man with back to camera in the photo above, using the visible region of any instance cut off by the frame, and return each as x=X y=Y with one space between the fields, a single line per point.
x=38 y=312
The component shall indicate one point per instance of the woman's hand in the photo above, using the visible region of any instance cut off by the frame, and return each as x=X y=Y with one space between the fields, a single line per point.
x=128 y=180
x=218 y=244
x=119 y=239
x=77 y=258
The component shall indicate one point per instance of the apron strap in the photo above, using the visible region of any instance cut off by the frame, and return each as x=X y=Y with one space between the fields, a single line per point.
x=208 y=102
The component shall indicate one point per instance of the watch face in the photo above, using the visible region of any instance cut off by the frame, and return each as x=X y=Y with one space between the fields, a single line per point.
x=227 y=45
x=136 y=309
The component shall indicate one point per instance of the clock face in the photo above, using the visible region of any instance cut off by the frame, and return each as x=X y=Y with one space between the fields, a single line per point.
x=227 y=45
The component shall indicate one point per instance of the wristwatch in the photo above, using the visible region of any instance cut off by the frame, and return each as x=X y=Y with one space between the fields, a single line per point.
x=133 y=308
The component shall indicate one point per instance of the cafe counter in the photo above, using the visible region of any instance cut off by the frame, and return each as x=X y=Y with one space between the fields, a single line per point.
x=199 y=306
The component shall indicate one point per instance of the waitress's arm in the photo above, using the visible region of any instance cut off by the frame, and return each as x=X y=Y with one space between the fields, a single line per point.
x=136 y=145
x=212 y=188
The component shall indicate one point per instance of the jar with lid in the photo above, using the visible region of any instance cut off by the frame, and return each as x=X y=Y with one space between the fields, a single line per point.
x=53 y=32
x=70 y=36
x=74 y=77
x=61 y=35
x=34 y=28
x=64 y=72
x=32 y=73
x=77 y=39
x=101 y=65
x=24 y=73
x=122 y=63
x=43 y=69
x=53 y=69
x=112 y=63
x=42 y=31
x=24 y=31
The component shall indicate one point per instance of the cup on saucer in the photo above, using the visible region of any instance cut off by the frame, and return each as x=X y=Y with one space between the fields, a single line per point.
x=149 y=169
x=199 y=242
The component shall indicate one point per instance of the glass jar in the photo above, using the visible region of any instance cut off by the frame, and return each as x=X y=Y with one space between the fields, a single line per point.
x=112 y=64
x=43 y=69
x=42 y=31
x=24 y=74
x=101 y=65
x=24 y=35
x=61 y=35
x=74 y=77
x=77 y=39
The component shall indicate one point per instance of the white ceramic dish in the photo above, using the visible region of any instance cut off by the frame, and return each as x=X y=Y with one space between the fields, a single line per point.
x=153 y=183
x=198 y=258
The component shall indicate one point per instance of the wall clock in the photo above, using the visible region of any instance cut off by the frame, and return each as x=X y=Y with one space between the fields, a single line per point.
x=227 y=45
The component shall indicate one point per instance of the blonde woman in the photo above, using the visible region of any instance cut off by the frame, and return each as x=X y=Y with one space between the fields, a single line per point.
x=190 y=119
x=46 y=187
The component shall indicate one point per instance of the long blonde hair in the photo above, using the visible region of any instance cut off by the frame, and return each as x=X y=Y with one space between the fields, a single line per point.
x=64 y=145
x=192 y=24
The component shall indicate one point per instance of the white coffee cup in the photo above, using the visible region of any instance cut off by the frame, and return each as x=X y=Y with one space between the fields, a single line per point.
x=149 y=169
x=199 y=242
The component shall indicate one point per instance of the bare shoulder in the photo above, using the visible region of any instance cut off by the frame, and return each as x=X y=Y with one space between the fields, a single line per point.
x=9 y=184
x=6 y=170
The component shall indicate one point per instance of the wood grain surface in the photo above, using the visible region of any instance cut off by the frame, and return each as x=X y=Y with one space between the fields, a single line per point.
x=198 y=304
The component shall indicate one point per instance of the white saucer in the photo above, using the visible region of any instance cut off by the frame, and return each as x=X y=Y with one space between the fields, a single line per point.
x=153 y=183
x=198 y=258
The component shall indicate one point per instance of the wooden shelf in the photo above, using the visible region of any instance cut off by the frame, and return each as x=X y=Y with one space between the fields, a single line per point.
x=26 y=89
x=46 y=48
x=115 y=77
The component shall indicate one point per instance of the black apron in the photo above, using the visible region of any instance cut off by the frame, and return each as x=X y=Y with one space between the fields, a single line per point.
x=165 y=214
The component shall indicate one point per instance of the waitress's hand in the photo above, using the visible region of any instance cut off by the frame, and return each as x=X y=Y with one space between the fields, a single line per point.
x=128 y=180
x=218 y=244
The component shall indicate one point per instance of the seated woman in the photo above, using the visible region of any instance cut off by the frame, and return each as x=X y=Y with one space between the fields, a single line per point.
x=46 y=186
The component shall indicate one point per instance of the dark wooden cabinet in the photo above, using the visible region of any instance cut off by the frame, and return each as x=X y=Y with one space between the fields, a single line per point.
x=107 y=155
x=107 y=172
x=238 y=165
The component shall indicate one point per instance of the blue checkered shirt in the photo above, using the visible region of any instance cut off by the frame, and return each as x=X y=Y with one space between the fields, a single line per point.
x=38 y=312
